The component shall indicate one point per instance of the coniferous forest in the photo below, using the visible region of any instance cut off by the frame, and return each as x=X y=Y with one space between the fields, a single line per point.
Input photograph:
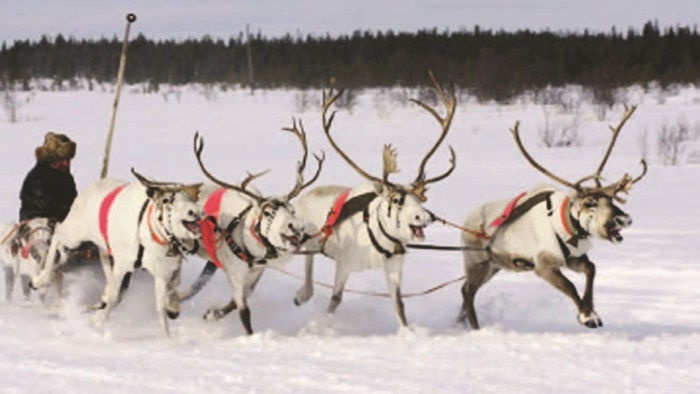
x=489 y=64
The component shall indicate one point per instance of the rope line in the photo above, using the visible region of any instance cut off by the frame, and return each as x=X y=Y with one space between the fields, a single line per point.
x=374 y=293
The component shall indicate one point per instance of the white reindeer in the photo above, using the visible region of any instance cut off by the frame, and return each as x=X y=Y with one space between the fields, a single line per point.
x=245 y=231
x=544 y=230
x=368 y=226
x=23 y=247
x=143 y=224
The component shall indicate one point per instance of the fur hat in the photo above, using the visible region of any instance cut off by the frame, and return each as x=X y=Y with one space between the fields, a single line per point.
x=56 y=147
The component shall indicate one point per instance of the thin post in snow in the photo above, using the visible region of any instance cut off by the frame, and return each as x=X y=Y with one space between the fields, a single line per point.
x=130 y=18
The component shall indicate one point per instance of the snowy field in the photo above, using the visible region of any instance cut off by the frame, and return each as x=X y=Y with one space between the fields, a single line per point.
x=647 y=289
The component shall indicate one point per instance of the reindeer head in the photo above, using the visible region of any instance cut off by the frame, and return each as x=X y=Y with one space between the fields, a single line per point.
x=36 y=233
x=594 y=207
x=176 y=205
x=276 y=219
x=401 y=205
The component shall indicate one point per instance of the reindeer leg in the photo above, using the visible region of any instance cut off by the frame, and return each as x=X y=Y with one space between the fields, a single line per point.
x=587 y=315
x=238 y=301
x=477 y=275
x=9 y=282
x=392 y=269
x=547 y=267
x=207 y=273
x=172 y=306
x=111 y=296
x=255 y=278
x=341 y=277
x=106 y=261
x=25 y=280
x=161 y=290
x=214 y=314
x=307 y=290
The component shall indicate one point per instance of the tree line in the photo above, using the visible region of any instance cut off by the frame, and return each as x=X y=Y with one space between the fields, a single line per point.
x=489 y=64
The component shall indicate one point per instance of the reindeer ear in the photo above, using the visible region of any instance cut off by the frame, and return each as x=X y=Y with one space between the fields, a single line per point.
x=379 y=188
x=192 y=191
x=153 y=192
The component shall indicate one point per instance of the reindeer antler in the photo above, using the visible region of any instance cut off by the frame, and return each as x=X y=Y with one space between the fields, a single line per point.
x=516 y=135
x=612 y=190
x=300 y=133
x=450 y=103
x=198 y=147
x=151 y=183
x=328 y=100
x=615 y=132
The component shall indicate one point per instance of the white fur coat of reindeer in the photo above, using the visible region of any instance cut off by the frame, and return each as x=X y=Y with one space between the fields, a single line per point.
x=544 y=230
x=368 y=226
x=143 y=224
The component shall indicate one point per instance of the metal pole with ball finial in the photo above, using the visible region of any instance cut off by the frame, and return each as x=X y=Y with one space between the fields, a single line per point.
x=130 y=18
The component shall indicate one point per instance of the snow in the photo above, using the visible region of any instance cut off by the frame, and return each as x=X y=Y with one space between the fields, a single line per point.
x=646 y=291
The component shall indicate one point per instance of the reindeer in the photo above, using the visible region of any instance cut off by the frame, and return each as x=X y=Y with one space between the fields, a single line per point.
x=245 y=231
x=143 y=224
x=368 y=226
x=22 y=250
x=544 y=230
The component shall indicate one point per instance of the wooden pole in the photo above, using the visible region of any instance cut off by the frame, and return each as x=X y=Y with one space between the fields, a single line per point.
x=130 y=18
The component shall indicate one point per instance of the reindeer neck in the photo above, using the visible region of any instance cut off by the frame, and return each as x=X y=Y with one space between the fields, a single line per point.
x=566 y=227
x=375 y=216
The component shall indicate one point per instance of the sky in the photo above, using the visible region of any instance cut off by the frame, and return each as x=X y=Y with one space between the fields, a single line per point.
x=178 y=19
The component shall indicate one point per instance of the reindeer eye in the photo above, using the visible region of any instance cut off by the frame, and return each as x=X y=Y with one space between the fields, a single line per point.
x=590 y=203
x=395 y=200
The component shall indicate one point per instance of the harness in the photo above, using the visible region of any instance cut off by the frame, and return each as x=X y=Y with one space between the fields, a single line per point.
x=571 y=226
x=210 y=229
x=398 y=246
x=240 y=251
x=103 y=216
x=343 y=209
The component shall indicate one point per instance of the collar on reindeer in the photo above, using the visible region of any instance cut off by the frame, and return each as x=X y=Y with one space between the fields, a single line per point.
x=175 y=247
x=571 y=226
x=154 y=236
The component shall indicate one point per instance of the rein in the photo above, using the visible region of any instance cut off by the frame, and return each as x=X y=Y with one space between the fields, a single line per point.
x=374 y=293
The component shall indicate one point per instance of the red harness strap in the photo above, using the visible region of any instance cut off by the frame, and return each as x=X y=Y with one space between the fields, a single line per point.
x=104 y=213
x=154 y=236
x=562 y=215
x=212 y=207
x=507 y=211
x=327 y=229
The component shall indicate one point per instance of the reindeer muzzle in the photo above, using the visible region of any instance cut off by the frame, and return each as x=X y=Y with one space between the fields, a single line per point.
x=615 y=225
x=193 y=227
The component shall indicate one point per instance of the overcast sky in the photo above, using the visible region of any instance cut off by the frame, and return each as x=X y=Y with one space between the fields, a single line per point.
x=30 y=19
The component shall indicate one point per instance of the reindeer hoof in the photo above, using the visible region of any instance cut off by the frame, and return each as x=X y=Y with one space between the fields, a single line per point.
x=302 y=296
x=591 y=320
x=172 y=315
x=213 y=315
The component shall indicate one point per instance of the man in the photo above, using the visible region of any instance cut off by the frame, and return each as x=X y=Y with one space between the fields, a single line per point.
x=49 y=188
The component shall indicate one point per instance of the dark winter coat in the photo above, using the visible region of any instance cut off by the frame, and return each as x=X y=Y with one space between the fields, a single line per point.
x=47 y=192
